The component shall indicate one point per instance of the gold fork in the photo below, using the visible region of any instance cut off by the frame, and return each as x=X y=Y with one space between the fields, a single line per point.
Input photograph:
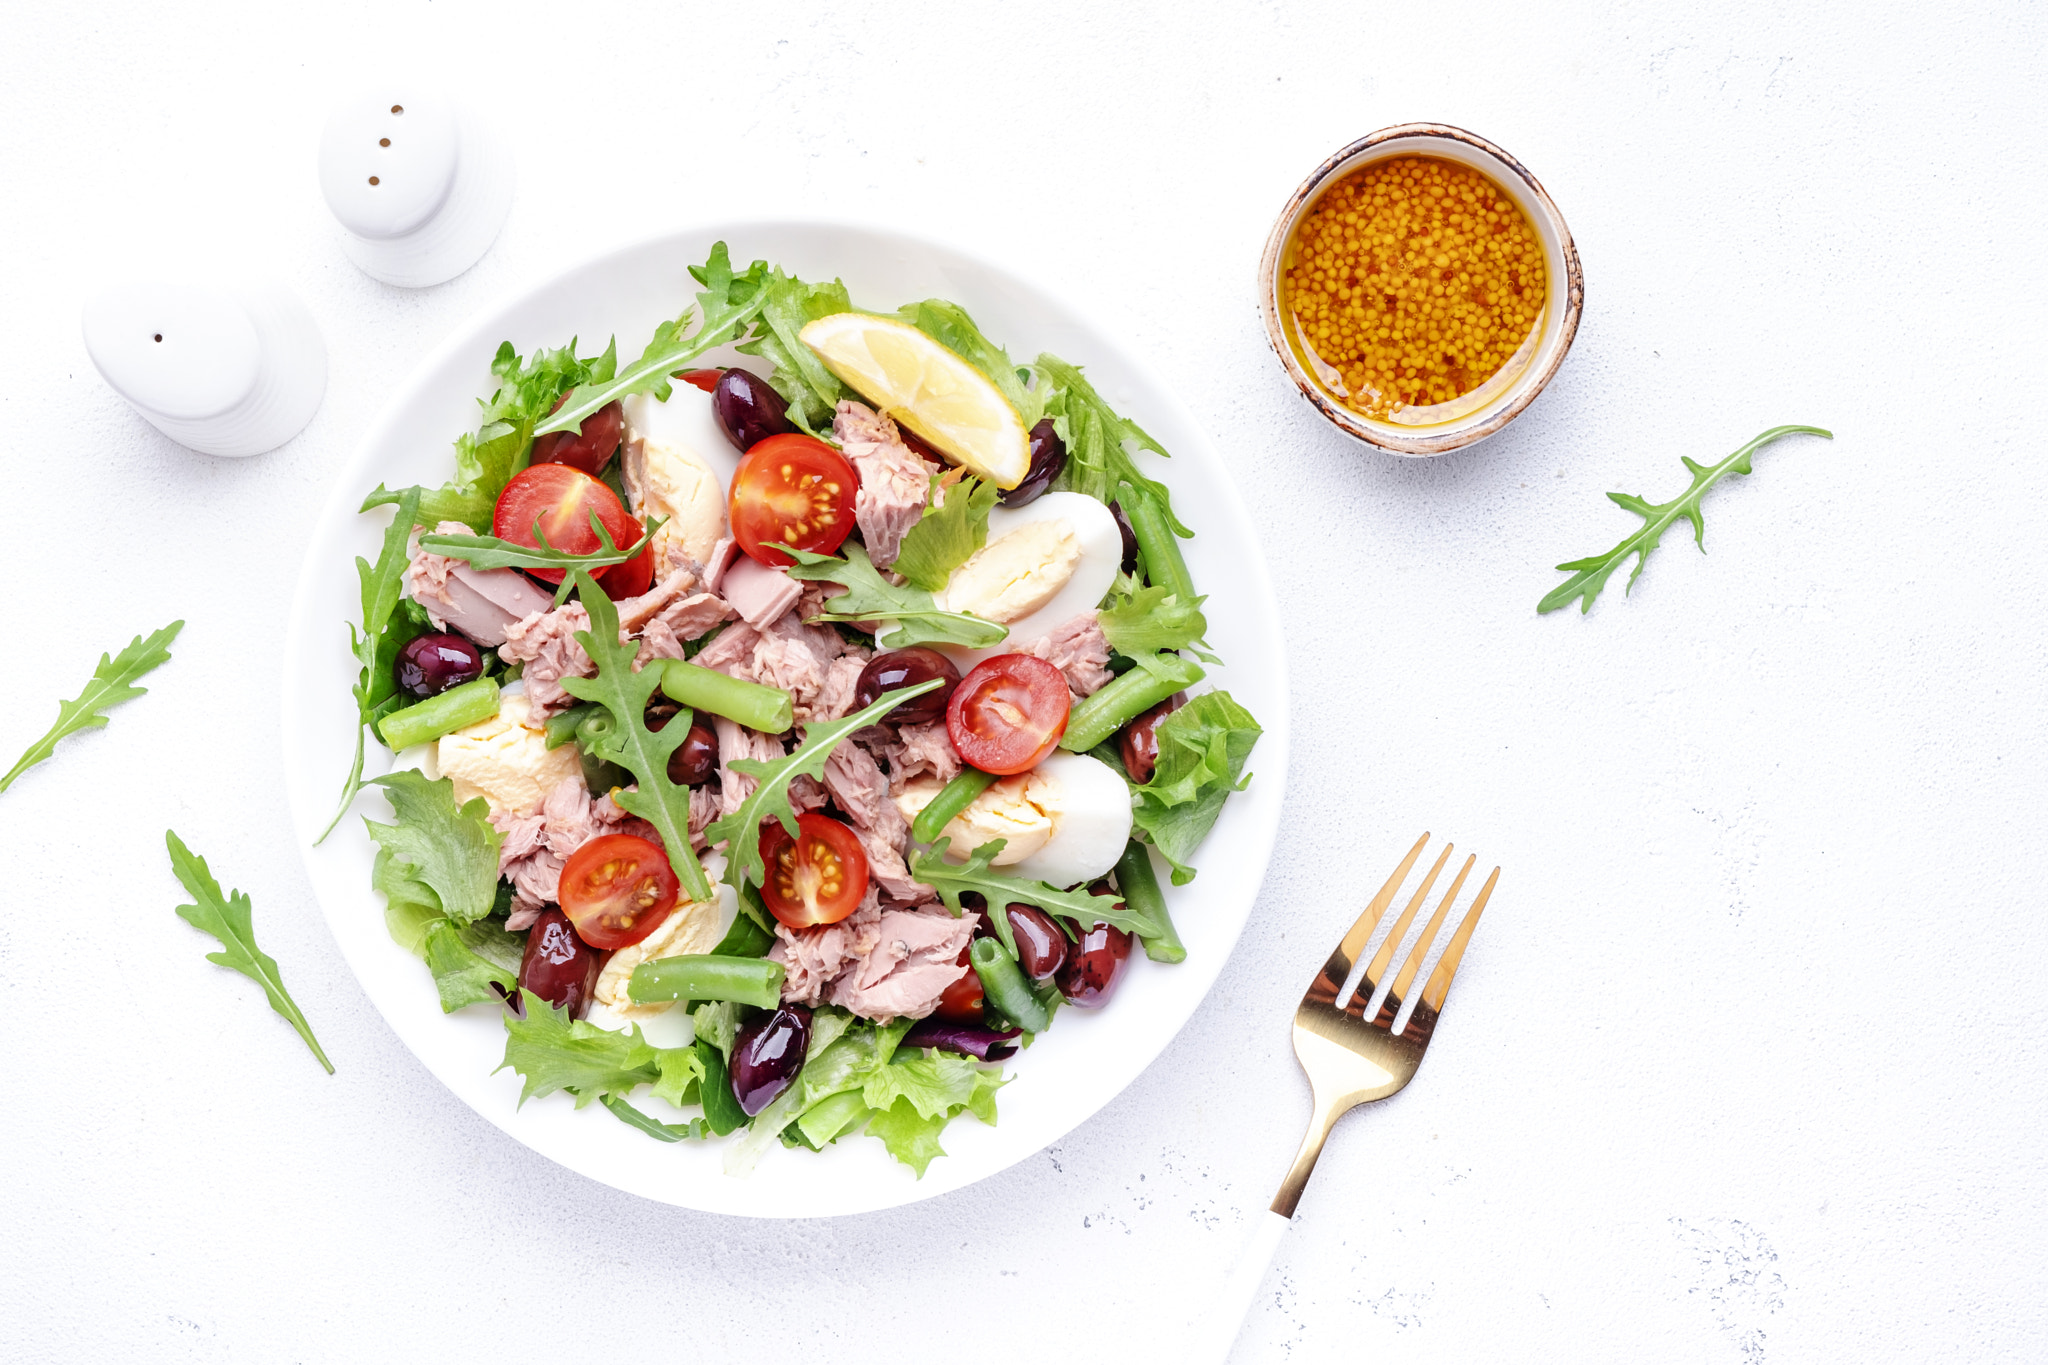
x=1351 y=1059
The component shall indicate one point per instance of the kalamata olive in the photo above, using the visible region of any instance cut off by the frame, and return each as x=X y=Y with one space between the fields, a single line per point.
x=1048 y=459
x=559 y=967
x=1140 y=743
x=766 y=1056
x=1094 y=966
x=748 y=409
x=894 y=668
x=1130 y=537
x=587 y=448
x=431 y=664
x=1041 y=947
x=695 y=759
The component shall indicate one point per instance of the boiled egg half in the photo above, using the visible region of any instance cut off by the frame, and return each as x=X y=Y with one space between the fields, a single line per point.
x=1064 y=822
x=1043 y=564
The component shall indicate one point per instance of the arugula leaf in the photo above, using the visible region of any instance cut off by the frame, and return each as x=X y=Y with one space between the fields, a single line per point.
x=461 y=975
x=554 y=1052
x=726 y=305
x=1151 y=619
x=812 y=391
x=1589 y=575
x=1001 y=890
x=949 y=533
x=489 y=552
x=1096 y=437
x=948 y=324
x=375 y=684
x=227 y=918
x=770 y=797
x=870 y=597
x=654 y=1128
x=113 y=682
x=630 y=744
x=445 y=853
x=1202 y=750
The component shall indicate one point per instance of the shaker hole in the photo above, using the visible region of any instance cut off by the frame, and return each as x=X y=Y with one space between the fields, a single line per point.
x=383 y=142
x=397 y=108
x=159 y=336
x=373 y=180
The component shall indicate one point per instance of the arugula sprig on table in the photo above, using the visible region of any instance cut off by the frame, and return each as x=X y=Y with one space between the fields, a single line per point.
x=1590 y=575
x=867 y=596
x=489 y=552
x=376 y=690
x=227 y=918
x=113 y=682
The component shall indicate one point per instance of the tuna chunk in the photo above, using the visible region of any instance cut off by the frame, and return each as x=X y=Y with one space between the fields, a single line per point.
x=480 y=603
x=1077 y=648
x=915 y=957
x=546 y=643
x=842 y=676
x=917 y=750
x=858 y=788
x=811 y=958
x=536 y=846
x=737 y=741
x=894 y=480
x=788 y=654
x=758 y=592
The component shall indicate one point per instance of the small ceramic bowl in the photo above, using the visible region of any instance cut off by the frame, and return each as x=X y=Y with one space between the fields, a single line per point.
x=1479 y=414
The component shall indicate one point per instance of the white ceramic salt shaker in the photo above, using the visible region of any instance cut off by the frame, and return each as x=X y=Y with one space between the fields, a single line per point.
x=226 y=368
x=420 y=184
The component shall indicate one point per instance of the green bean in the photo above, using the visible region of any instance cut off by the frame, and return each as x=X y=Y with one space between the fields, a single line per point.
x=1098 y=717
x=957 y=796
x=595 y=728
x=436 y=716
x=833 y=1116
x=706 y=976
x=767 y=709
x=1002 y=980
x=1139 y=886
x=563 y=725
x=1164 y=566
x=744 y=939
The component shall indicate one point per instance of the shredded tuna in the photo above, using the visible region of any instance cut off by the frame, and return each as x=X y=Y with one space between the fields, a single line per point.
x=915 y=958
x=536 y=846
x=705 y=806
x=1077 y=648
x=859 y=788
x=811 y=958
x=737 y=741
x=789 y=655
x=805 y=793
x=917 y=750
x=546 y=643
x=842 y=677
x=894 y=480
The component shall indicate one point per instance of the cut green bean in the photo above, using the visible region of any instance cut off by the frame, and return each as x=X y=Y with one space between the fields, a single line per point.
x=1164 y=567
x=707 y=976
x=957 y=796
x=1002 y=980
x=1138 y=884
x=436 y=716
x=563 y=725
x=744 y=939
x=596 y=726
x=767 y=709
x=1096 y=718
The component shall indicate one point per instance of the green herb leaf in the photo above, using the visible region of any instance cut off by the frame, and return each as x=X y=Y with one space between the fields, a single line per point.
x=554 y=1052
x=1001 y=890
x=375 y=685
x=1589 y=575
x=461 y=975
x=727 y=304
x=1202 y=750
x=934 y=1082
x=769 y=800
x=912 y=1136
x=870 y=597
x=489 y=552
x=639 y=750
x=113 y=682
x=948 y=324
x=442 y=852
x=948 y=534
x=227 y=918
x=1096 y=437
x=692 y=1131
x=811 y=390
x=1151 y=619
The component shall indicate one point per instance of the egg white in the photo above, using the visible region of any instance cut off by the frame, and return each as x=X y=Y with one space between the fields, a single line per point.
x=685 y=420
x=1091 y=828
x=1102 y=554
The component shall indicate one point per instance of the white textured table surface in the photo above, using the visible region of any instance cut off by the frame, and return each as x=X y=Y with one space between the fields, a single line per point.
x=1747 y=1061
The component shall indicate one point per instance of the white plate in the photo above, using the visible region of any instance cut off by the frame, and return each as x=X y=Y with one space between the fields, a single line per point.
x=1080 y=1064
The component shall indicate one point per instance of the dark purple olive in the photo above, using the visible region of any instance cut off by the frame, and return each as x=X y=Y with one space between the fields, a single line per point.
x=590 y=447
x=1140 y=743
x=894 y=668
x=431 y=664
x=1048 y=459
x=970 y=1040
x=559 y=967
x=1130 y=537
x=1041 y=947
x=1096 y=963
x=766 y=1056
x=749 y=410
x=695 y=759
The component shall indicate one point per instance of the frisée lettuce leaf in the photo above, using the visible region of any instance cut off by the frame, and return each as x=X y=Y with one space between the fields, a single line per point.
x=440 y=855
x=870 y=597
x=1096 y=438
x=788 y=306
x=949 y=532
x=1202 y=751
x=552 y=1051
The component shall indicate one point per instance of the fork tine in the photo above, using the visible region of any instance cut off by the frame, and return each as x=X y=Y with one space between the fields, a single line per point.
x=1439 y=986
x=1353 y=943
x=1436 y=921
x=1377 y=972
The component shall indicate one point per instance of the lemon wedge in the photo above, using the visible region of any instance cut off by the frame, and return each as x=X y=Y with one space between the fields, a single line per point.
x=928 y=388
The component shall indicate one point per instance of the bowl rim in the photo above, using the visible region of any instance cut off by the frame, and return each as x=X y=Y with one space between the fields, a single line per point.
x=1524 y=390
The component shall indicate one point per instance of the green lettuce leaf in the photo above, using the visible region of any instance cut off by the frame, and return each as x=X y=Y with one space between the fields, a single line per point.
x=553 y=1052
x=948 y=324
x=1001 y=890
x=912 y=1135
x=461 y=974
x=870 y=597
x=447 y=854
x=949 y=533
x=1202 y=751
x=1096 y=439
x=833 y=1117
x=811 y=390
x=1151 y=619
x=934 y=1082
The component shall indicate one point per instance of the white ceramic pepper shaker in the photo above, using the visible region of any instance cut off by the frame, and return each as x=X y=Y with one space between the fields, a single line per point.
x=233 y=368
x=420 y=185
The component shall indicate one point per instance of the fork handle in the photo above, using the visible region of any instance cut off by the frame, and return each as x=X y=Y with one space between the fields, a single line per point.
x=1218 y=1330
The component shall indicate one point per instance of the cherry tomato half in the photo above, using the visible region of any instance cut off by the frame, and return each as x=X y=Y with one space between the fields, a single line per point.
x=1008 y=713
x=819 y=877
x=794 y=489
x=631 y=578
x=961 y=1002
x=588 y=448
x=560 y=500
x=706 y=380
x=617 y=889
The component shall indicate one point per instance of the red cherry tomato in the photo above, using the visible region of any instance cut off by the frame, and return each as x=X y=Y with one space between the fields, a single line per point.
x=706 y=380
x=796 y=490
x=631 y=578
x=561 y=500
x=819 y=877
x=617 y=889
x=961 y=1002
x=590 y=447
x=1008 y=713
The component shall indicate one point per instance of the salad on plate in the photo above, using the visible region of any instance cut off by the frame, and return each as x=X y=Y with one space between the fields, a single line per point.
x=781 y=744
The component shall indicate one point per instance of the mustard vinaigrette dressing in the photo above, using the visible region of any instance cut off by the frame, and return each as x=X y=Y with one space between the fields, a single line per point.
x=1414 y=290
